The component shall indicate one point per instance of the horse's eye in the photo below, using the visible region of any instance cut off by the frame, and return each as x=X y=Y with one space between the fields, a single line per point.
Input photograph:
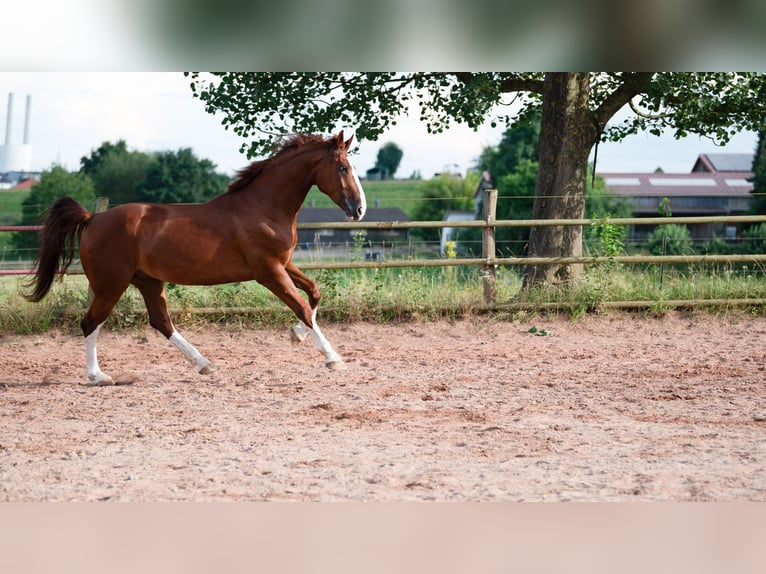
x=343 y=169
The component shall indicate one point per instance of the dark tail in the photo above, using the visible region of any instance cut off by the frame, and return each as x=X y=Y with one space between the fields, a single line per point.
x=63 y=225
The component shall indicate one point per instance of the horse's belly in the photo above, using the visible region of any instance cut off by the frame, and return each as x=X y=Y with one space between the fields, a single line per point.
x=184 y=269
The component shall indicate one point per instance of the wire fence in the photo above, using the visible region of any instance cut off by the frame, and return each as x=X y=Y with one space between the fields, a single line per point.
x=326 y=256
x=404 y=252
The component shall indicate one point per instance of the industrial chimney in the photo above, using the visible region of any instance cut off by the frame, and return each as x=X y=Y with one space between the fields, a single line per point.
x=16 y=158
x=27 y=116
x=9 y=120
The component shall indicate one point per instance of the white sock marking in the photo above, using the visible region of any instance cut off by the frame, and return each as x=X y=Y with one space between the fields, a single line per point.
x=95 y=374
x=192 y=355
x=301 y=330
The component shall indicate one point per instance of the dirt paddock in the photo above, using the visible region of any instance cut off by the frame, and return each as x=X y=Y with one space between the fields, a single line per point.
x=611 y=408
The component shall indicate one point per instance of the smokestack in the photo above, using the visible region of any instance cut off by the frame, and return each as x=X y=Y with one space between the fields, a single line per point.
x=26 y=119
x=9 y=120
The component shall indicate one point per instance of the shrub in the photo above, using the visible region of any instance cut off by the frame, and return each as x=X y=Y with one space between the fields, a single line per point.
x=754 y=239
x=670 y=240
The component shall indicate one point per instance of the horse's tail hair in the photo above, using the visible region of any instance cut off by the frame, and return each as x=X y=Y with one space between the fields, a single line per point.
x=64 y=223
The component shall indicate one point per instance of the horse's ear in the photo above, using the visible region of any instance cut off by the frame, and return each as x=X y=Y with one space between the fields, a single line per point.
x=339 y=139
x=348 y=142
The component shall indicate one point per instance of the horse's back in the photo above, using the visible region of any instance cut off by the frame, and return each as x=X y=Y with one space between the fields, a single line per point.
x=139 y=221
x=186 y=244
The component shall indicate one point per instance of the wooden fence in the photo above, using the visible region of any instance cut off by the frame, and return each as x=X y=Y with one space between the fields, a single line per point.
x=489 y=261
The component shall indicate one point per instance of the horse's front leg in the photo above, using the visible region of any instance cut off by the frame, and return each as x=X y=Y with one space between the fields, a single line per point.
x=282 y=282
x=332 y=359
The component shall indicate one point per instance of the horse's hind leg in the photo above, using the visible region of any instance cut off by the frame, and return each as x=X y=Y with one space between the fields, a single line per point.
x=100 y=307
x=153 y=292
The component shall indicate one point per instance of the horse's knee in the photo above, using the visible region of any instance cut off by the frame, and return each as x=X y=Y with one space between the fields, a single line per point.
x=87 y=325
x=315 y=297
x=163 y=326
x=306 y=317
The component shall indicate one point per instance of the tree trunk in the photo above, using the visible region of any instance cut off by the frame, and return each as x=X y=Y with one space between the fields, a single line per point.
x=567 y=134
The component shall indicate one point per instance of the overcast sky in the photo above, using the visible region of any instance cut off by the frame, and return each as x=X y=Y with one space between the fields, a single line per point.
x=74 y=112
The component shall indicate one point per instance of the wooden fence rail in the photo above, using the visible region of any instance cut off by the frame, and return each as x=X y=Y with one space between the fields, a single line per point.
x=534 y=222
x=488 y=261
x=510 y=261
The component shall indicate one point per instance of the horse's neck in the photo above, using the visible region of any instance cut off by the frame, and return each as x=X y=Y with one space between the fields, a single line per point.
x=281 y=189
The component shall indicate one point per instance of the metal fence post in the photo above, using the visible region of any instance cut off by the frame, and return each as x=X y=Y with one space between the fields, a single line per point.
x=488 y=246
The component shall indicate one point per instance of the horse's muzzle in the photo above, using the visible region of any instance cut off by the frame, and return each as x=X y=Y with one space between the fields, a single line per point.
x=355 y=210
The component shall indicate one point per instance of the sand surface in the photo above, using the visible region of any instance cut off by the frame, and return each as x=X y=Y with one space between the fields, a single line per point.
x=604 y=408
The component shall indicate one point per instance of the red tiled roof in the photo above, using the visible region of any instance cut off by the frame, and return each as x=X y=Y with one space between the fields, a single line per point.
x=26 y=184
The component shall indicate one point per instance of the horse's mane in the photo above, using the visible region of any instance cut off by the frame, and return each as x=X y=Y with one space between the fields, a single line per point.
x=283 y=145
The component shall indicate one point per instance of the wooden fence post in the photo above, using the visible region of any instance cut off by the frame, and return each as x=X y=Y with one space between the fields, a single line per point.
x=102 y=204
x=488 y=246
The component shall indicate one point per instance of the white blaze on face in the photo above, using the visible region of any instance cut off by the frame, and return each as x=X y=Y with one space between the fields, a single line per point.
x=361 y=191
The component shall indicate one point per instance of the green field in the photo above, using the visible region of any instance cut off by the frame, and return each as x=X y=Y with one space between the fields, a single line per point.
x=10 y=214
x=10 y=206
x=402 y=193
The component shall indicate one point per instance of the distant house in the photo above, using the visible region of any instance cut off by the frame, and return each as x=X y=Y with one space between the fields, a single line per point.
x=329 y=237
x=25 y=184
x=19 y=180
x=719 y=184
x=377 y=173
x=450 y=233
x=723 y=162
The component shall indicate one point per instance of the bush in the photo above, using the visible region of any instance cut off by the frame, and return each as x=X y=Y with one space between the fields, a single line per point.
x=670 y=240
x=754 y=239
x=718 y=246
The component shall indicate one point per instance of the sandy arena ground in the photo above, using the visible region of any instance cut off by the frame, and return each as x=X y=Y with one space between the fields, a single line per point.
x=611 y=408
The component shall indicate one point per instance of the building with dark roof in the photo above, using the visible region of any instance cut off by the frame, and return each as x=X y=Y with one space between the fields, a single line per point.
x=329 y=237
x=719 y=184
x=723 y=162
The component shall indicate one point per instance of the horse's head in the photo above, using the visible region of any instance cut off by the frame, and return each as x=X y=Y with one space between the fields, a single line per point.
x=337 y=179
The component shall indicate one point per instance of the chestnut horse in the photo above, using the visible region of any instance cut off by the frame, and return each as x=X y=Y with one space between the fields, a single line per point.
x=248 y=232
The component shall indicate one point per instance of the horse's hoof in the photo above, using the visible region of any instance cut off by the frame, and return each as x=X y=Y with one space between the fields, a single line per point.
x=207 y=369
x=336 y=366
x=103 y=381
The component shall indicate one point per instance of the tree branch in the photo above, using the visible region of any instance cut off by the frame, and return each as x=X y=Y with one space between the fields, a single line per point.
x=646 y=115
x=509 y=85
x=516 y=83
x=633 y=84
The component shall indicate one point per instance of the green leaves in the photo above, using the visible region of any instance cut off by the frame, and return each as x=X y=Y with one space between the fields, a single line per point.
x=713 y=104
x=261 y=106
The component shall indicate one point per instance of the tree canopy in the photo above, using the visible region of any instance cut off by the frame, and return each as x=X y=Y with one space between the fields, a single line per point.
x=389 y=157
x=116 y=171
x=178 y=176
x=260 y=106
